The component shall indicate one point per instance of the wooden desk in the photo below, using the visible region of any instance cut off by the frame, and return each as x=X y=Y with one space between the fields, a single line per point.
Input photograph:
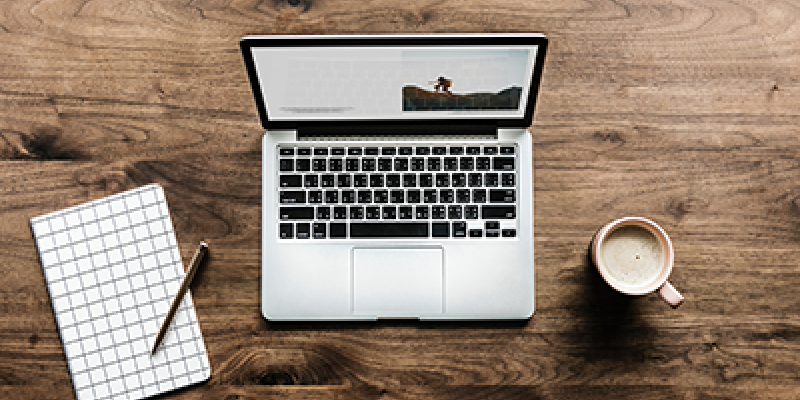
x=683 y=112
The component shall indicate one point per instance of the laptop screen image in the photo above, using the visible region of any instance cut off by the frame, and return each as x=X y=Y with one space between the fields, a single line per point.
x=331 y=83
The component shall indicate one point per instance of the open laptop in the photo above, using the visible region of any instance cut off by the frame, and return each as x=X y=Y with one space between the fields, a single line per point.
x=397 y=174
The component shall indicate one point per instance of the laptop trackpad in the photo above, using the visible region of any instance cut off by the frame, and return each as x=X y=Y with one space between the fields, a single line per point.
x=397 y=282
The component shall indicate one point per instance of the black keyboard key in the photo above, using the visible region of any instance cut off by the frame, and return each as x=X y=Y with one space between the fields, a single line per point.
x=454 y=212
x=360 y=180
x=323 y=213
x=438 y=212
x=492 y=225
x=396 y=196
x=446 y=195
x=498 y=212
x=364 y=196
x=356 y=212
x=338 y=230
x=311 y=180
x=422 y=212
x=376 y=180
x=405 y=212
x=389 y=212
x=397 y=230
x=293 y=197
x=384 y=164
x=303 y=165
x=286 y=231
x=343 y=180
x=348 y=196
x=442 y=180
x=304 y=151
x=426 y=180
x=337 y=151
x=459 y=229
x=354 y=151
x=508 y=180
x=502 y=196
x=492 y=234
x=287 y=165
x=440 y=229
x=475 y=180
x=491 y=180
x=417 y=164
x=295 y=213
x=405 y=151
x=482 y=163
x=450 y=164
x=423 y=151
x=479 y=195
x=381 y=196
x=459 y=180
x=462 y=196
x=331 y=197
x=315 y=197
x=413 y=196
x=434 y=164
x=401 y=164
x=507 y=150
x=286 y=151
x=339 y=212
x=327 y=181
x=291 y=181
x=440 y=151
x=320 y=230
x=368 y=164
x=371 y=151
x=409 y=180
x=475 y=233
x=392 y=180
x=335 y=164
x=473 y=151
x=471 y=212
x=503 y=163
x=303 y=231
x=467 y=163
x=320 y=151
x=351 y=164
x=490 y=150
x=509 y=233
x=456 y=150
x=388 y=151
x=429 y=196
x=372 y=212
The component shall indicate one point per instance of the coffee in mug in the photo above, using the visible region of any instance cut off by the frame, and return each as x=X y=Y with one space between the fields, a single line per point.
x=635 y=256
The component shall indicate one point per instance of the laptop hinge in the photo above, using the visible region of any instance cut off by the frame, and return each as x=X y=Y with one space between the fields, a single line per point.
x=478 y=130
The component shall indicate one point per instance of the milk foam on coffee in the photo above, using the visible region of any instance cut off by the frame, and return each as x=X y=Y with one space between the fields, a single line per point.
x=633 y=255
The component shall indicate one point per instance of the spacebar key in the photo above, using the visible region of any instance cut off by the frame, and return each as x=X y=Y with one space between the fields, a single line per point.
x=389 y=230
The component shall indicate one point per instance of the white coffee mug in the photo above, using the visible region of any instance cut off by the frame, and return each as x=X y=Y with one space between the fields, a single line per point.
x=635 y=256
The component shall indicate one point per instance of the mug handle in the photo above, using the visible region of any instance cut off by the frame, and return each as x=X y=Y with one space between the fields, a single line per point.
x=670 y=295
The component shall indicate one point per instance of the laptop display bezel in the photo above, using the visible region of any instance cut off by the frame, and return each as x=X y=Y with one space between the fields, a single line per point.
x=248 y=43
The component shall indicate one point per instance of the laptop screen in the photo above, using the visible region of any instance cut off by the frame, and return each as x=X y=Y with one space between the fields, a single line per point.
x=391 y=83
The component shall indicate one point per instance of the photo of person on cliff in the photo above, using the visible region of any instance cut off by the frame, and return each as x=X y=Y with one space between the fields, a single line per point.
x=464 y=79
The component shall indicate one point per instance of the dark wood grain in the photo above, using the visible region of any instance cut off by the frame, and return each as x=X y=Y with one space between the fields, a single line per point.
x=686 y=112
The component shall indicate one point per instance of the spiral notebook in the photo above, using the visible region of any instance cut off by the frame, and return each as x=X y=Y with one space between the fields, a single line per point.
x=112 y=267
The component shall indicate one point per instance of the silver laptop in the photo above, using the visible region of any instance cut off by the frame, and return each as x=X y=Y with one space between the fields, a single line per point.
x=397 y=175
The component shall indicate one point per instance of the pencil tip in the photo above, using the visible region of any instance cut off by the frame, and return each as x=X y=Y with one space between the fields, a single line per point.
x=204 y=243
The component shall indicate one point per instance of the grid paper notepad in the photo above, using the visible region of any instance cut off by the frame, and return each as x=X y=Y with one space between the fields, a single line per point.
x=112 y=267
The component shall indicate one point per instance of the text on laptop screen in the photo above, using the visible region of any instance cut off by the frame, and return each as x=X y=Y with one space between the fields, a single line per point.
x=433 y=82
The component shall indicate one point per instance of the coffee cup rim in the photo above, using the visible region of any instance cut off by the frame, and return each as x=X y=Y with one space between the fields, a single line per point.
x=653 y=228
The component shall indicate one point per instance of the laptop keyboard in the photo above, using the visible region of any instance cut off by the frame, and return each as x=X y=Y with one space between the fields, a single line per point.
x=374 y=191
